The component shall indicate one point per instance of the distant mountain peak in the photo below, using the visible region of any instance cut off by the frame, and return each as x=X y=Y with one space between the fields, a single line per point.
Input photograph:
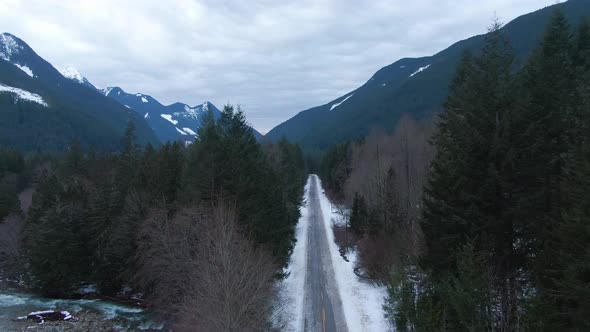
x=9 y=46
x=71 y=73
x=111 y=90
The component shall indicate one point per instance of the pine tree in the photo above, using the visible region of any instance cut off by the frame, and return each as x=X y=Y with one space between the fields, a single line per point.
x=359 y=215
x=469 y=193
x=542 y=147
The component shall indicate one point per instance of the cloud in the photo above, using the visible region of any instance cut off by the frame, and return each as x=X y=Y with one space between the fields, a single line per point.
x=274 y=58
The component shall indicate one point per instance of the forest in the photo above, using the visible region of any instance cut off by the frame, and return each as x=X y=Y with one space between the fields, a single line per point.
x=480 y=219
x=177 y=227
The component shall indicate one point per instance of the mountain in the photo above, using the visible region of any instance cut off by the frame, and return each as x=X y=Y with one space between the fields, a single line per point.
x=42 y=109
x=173 y=122
x=416 y=86
x=74 y=75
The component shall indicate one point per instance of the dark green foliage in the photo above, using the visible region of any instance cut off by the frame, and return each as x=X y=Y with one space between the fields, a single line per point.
x=359 y=216
x=57 y=239
x=8 y=200
x=506 y=219
x=226 y=160
x=82 y=226
x=335 y=168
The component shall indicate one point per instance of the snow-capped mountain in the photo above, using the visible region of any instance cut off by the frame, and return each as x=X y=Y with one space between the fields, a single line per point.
x=41 y=108
x=11 y=50
x=171 y=123
x=177 y=121
x=74 y=75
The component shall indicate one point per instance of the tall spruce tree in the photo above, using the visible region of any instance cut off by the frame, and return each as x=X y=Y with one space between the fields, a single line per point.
x=469 y=193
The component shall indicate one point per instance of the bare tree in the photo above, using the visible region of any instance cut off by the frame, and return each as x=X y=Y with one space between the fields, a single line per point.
x=205 y=272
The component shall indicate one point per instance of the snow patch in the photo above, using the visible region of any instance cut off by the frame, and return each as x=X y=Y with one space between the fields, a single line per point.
x=169 y=118
x=190 y=131
x=26 y=69
x=146 y=116
x=338 y=104
x=180 y=131
x=72 y=74
x=23 y=94
x=106 y=91
x=383 y=84
x=361 y=302
x=421 y=69
x=143 y=99
x=189 y=112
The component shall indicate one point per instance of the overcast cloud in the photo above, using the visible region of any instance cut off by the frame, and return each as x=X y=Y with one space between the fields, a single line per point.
x=274 y=58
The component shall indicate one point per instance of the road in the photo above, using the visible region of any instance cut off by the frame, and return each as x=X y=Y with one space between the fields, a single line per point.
x=323 y=306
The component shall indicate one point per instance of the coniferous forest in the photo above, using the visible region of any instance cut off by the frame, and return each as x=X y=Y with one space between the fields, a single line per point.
x=182 y=225
x=480 y=221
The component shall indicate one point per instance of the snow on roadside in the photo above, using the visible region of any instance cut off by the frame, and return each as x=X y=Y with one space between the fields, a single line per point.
x=361 y=301
x=291 y=289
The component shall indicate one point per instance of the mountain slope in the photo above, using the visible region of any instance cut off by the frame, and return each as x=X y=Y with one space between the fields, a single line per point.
x=70 y=110
x=174 y=122
x=177 y=121
x=416 y=86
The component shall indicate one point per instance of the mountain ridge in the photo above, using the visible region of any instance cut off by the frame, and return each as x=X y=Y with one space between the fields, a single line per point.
x=72 y=110
x=394 y=91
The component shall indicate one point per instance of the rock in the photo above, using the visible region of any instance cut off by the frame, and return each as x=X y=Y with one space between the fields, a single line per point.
x=48 y=315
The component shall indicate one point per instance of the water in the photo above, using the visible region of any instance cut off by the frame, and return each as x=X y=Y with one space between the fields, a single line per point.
x=14 y=304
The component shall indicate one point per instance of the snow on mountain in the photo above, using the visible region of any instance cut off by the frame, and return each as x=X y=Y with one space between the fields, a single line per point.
x=23 y=94
x=107 y=90
x=8 y=46
x=338 y=104
x=421 y=69
x=190 y=131
x=180 y=131
x=26 y=69
x=169 y=118
x=71 y=73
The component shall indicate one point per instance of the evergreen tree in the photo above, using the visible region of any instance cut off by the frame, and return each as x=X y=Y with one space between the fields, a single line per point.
x=359 y=215
x=469 y=193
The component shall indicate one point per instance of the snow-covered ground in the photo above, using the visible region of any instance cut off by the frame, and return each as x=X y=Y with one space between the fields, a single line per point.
x=361 y=301
x=291 y=294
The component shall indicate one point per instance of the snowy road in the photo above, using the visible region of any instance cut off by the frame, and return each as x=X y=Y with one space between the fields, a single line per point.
x=321 y=292
x=322 y=306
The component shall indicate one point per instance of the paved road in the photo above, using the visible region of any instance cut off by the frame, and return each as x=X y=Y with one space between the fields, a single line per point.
x=323 y=307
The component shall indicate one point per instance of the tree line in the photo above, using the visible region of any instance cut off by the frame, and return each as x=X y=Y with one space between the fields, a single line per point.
x=499 y=237
x=182 y=225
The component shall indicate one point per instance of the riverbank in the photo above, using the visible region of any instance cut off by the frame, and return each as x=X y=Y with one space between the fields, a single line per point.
x=88 y=314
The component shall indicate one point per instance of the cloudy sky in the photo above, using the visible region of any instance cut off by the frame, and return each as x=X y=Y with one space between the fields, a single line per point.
x=274 y=58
